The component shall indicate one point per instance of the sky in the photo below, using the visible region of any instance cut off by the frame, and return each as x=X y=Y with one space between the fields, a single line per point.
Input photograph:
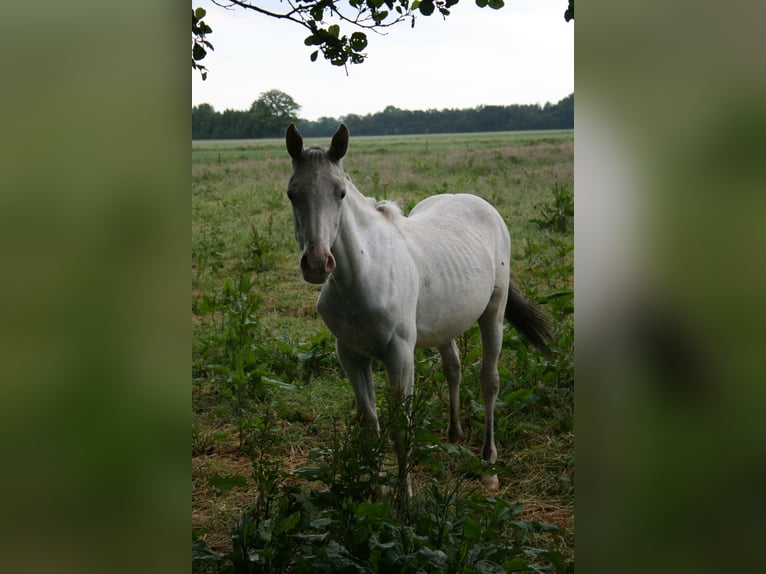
x=520 y=54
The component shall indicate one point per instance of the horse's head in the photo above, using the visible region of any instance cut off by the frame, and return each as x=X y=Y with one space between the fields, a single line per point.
x=316 y=191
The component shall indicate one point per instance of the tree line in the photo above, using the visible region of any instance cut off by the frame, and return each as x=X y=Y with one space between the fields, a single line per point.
x=274 y=111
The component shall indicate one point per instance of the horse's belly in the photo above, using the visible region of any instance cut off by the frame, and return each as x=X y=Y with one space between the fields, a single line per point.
x=438 y=334
x=443 y=315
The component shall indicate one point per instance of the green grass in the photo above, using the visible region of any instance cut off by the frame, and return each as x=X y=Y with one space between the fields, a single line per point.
x=268 y=390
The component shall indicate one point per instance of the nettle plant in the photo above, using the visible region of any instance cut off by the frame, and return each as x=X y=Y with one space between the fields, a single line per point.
x=558 y=213
x=328 y=517
x=233 y=352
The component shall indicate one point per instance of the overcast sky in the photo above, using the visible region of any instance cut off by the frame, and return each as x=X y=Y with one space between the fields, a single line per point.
x=521 y=54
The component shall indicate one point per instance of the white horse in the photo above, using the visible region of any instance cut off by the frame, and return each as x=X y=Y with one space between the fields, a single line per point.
x=393 y=283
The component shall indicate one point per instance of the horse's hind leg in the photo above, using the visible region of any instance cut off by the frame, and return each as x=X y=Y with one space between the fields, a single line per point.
x=451 y=370
x=491 y=326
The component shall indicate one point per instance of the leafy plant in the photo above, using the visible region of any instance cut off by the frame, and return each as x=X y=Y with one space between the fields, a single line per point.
x=202 y=441
x=208 y=249
x=557 y=214
x=259 y=249
x=237 y=367
x=344 y=528
x=317 y=354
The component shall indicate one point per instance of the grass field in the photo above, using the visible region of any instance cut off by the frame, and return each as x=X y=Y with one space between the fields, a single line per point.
x=273 y=425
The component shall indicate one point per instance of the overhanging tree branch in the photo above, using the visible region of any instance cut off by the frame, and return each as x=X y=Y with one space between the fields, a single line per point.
x=323 y=20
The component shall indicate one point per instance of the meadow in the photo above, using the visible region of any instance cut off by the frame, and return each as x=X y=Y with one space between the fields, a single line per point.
x=282 y=481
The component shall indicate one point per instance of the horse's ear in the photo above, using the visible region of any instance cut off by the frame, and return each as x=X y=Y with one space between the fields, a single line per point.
x=294 y=142
x=339 y=145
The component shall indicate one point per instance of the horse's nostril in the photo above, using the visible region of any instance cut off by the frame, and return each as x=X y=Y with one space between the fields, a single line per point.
x=317 y=263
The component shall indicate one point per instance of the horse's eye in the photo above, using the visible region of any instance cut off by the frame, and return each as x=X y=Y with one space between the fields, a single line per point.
x=343 y=194
x=290 y=195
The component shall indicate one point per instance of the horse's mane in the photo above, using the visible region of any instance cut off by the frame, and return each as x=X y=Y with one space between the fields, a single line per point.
x=389 y=208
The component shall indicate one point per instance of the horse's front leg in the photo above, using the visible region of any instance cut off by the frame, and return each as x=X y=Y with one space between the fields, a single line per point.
x=400 y=366
x=359 y=372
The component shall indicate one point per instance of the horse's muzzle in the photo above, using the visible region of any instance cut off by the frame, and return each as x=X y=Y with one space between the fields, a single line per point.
x=317 y=265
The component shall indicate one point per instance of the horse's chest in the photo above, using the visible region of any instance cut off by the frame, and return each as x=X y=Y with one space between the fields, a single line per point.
x=360 y=325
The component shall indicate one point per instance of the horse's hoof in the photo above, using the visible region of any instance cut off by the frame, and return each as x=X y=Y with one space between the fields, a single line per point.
x=454 y=434
x=491 y=483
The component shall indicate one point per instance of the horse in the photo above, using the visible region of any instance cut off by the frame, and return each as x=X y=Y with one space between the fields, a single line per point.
x=392 y=283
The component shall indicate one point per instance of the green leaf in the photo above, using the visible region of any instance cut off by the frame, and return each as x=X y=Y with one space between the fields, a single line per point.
x=201 y=551
x=517 y=395
x=488 y=567
x=555 y=295
x=197 y=532
x=226 y=483
x=200 y=13
x=310 y=473
x=434 y=558
x=207 y=305
x=320 y=523
x=482 y=3
x=569 y=14
x=334 y=30
x=288 y=523
x=556 y=559
x=317 y=12
x=534 y=526
x=516 y=565
x=496 y=4
x=314 y=55
x=340 y=559
x=279 y=384
x=358 y=41
x=427 y=7
x=522 y=426
x=198 y=52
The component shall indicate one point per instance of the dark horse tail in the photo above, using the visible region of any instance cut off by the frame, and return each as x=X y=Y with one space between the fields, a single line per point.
x=528 y=319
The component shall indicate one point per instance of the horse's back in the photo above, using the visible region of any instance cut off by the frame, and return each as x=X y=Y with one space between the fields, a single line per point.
x=459 y=220
x=447 y=208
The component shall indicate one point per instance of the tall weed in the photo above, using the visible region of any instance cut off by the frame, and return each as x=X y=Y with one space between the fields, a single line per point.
x=557 y=214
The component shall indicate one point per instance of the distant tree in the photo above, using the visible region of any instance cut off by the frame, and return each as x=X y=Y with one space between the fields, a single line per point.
x=271 y=112
x=203 y=121
x=323 y=19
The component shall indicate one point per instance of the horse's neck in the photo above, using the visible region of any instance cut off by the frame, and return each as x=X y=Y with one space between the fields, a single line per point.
x=358 y=223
